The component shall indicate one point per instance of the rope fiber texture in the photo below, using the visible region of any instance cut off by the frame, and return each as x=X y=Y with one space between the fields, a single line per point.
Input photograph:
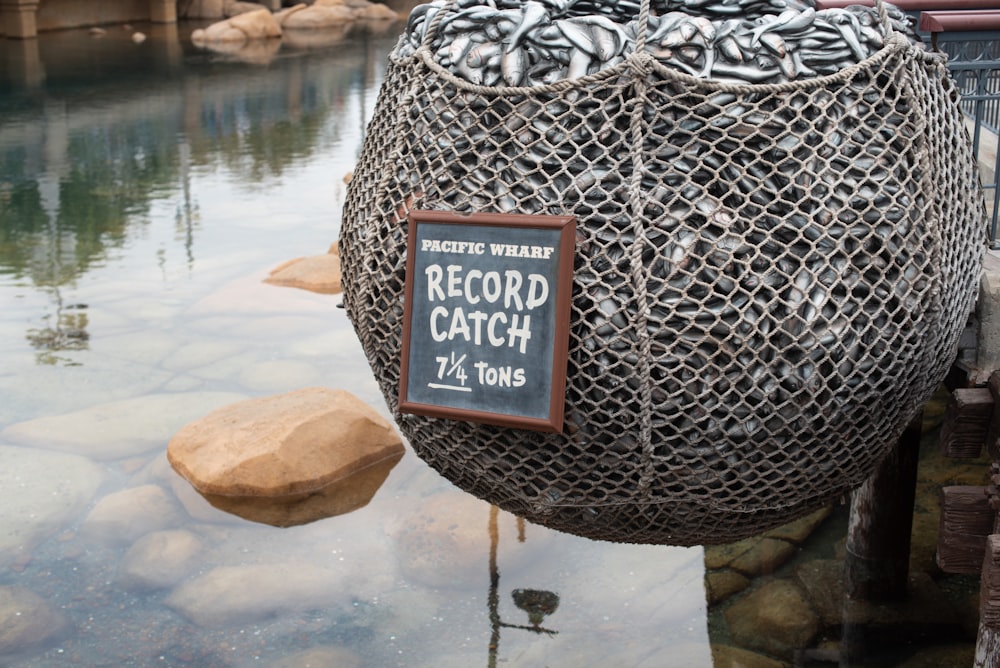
x=769 y=280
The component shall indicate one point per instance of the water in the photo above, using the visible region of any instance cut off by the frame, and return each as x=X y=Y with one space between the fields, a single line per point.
x=145 y=193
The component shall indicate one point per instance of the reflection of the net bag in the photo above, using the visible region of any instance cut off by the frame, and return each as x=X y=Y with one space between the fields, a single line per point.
x=770 y=278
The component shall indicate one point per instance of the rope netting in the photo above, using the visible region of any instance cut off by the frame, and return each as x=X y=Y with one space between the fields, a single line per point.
x=770 y=279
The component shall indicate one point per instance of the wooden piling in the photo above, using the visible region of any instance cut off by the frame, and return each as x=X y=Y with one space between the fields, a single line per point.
x=988 y=640
x=877 y=563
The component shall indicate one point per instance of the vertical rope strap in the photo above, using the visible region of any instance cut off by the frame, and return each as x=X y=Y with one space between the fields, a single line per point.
x=641 y=70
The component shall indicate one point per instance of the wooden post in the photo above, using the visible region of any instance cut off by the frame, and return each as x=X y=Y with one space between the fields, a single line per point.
x=877 y=563
x=988 y=641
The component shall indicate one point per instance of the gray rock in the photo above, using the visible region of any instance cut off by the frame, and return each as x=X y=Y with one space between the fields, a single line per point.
x=320 y=657
x=26 y=620
x=43 y=491
x=123 y=517
x=158 y=560
x=119 y=428
x=240 y=594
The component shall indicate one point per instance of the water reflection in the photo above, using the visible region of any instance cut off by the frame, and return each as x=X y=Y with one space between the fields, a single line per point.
x=537 y=603
x=338 y=498
x=84 y=159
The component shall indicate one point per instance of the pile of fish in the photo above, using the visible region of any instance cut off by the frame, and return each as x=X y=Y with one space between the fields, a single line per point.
x=539 y=42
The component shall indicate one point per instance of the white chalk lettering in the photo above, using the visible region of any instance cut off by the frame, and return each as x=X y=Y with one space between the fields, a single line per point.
x=502 y=376
x=514 y=250
x=434 y=275
x=470 y=326
x=449 y=246
x=473 y=286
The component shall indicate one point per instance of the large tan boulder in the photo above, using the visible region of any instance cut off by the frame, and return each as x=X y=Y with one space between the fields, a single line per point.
x=259 y=24
x=235 y=7
x=319 y=16
x=340 y=497
x=287 y=444
x=374 y=11
x=318 y=273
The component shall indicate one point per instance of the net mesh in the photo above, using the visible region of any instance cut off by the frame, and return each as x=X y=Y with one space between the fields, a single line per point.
x=769 y=280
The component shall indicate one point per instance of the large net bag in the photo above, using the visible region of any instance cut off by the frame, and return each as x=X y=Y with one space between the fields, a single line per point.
x=776 y=251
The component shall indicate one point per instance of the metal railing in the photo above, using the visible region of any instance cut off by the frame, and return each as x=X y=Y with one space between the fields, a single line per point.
x=974 y=63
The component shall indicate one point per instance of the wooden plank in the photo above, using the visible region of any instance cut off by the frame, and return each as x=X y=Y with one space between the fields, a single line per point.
x=966 y=520
x=966 y=422
x=988 y=640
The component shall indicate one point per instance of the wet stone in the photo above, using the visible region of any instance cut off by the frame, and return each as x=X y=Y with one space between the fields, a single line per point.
x=318 y=273
x=123 y=517
x=280 y=445
x=320 y=657
x=946 y=655
x=43 y=490
x=26 y=621
x=766 y=556
x=240 y=594
x=444 y=540
x=722 y=584
x=798 y=531
x=727 y=656
x=119 y=428
x=775 y=618
x=926 y=609
x=158 y=560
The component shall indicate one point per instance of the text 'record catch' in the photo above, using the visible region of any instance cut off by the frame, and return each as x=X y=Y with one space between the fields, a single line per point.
x=486 y=318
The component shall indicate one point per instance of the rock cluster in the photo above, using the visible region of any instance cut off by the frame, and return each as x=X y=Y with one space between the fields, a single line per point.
x=247 y=22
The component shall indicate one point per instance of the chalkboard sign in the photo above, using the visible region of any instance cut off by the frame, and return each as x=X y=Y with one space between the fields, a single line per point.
x=486 y=318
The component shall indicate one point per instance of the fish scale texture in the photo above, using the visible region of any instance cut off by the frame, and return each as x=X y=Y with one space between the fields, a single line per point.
x=769 y=280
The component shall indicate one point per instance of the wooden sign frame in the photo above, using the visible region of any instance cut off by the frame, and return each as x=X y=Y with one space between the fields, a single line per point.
x=486 y=318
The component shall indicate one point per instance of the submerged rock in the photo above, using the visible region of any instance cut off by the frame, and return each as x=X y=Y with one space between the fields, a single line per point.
x=775 y=618
x=26 y=620
x=158 y=560
x=239 y=594
x=727 y=656
x=123 y=517
x=294 y=443
x=119 y=428
x=43 y=491
x=316 y=657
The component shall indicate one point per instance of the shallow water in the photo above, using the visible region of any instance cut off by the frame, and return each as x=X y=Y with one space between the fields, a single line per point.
x=145 y=192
